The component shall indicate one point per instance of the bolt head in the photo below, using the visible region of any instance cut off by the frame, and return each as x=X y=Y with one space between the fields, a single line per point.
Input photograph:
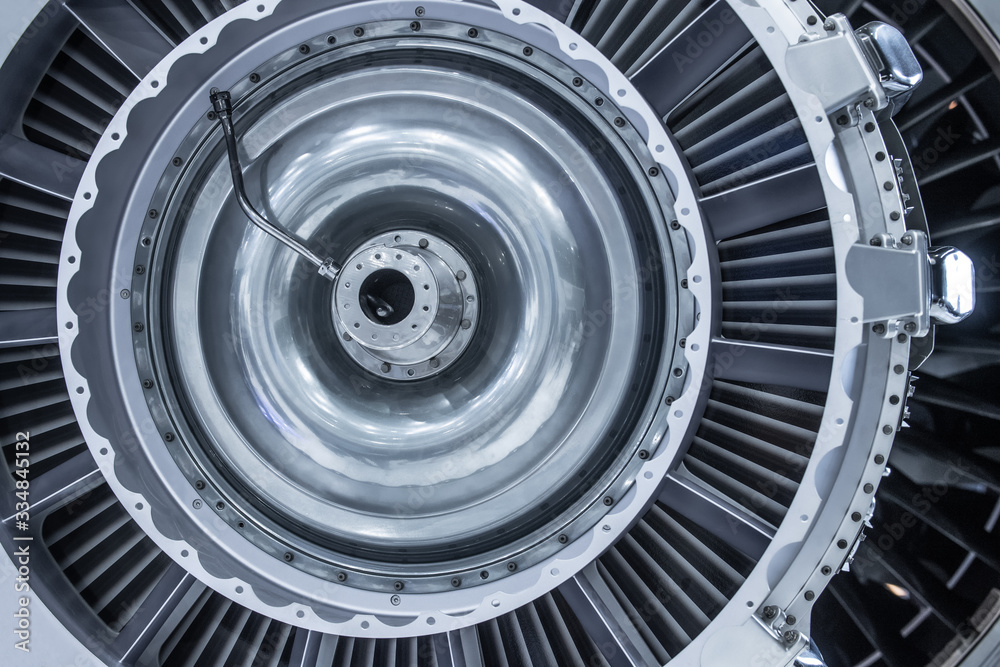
x=769 y=612
x=791 y=636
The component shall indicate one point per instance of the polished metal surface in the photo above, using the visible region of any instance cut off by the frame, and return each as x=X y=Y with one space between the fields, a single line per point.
x=506 y=382
x=953 y=285
x=892 y=58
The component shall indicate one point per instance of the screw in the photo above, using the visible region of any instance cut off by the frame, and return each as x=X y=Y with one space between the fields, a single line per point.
x=289 y=556
x=790 y=636
x=125 y=294
x=466 y=324
x=177 y=162
x=674 y=225
x=643 y=454
x=669 y=400
x=455 y=581
x=683 y=343
x=826 y=570
x=608 y=500
x=684 y=283
x=423 y=243
x=869 y=103
x=830 y=26
x=398 y=585
x=527 y=51
x=809 y=595
x=563 y=539
x=419 y=11
x=385 y=368
x=168 y=436
x=599 y=101
x=137 y=327
x=395 y=600
x=654 y=172
x=220 y=505
x=910 y=327
x=678 y=372
x=211 y=115
x=341 y=576
x=146 y=241
x=879 y=459
x=147 y=384
x=769 y=612
x=140 y=269
x=359 y=32
x=414 y=26
x=484 y=575
x=153 y=213
x=332 y=39
x=460 y=275
x=511 y=566
x=199 y=485
x=254 y=78
x=473 y=33
x=619 y=122
x=878 y=328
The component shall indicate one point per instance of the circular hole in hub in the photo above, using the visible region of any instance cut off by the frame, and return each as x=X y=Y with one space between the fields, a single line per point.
x=386 y=297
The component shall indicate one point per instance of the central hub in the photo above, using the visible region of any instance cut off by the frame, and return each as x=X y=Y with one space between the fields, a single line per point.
x=386 y=296
x=405 y=305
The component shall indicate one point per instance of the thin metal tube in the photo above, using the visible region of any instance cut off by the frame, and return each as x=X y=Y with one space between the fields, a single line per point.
x=222 y=104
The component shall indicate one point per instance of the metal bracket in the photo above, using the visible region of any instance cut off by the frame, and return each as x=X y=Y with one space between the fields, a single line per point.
x=835 y=69
x=895 y=281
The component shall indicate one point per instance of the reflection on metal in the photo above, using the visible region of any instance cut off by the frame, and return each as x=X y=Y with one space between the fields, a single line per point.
x=953 y=285
x=891 y=56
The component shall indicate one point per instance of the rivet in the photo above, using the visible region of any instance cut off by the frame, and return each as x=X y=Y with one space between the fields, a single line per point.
x=791 y=620
x=398 y=585
x=140 y=269
x=289 y=556
x=563 y=539
x=484 y=575
x=654 y=171
x=125 y=294
x=199 y=485
x=894 y=215
x=577 y=81
x=146 y=241
x=842 y=544
x=395 y=600
x=385 y=368
x=148 y=384
x=332 y=39
x=415 y=26
x=898 y=369
x=511 y=566
x=456 y=582
x=888 y=186
x=177 y=162
x=843 y=120
x=137 y=327
x=869 y=488
x=434 y=363
x=527 y=51
x=684 y=283
x=168 y=436
x=869 y=127
x=826 y=570
x=619 y=121
x=473 y=33
x=466 y=324
x=830 y=26
x=878 y=328
x=879 y=459
x=674 y=225
x=220 y=505
x=809 y=595
x=423 y=243
x=341 y=576
x=856 y=516
x=419 y=11
x=901 y=338
x=211 y=115
x=359 y=32
x=608 y=500
x=254 y=78
x=668 y=400
x=152 y=213
x=460 y=274
x=196 y=504
x=910 y=327
x=880 y=156
x=643 y=454
x=812 y=20
x=887 y=429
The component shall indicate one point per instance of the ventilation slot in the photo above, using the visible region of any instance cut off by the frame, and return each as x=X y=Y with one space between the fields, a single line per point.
x=77 y=97
x=545 y=632
x=671 y=578
x=779 y=284
x=31 y=228
x=33 y=398
x=754 y=443
x=177 y=19
x=104 y=554
x=740 y=127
